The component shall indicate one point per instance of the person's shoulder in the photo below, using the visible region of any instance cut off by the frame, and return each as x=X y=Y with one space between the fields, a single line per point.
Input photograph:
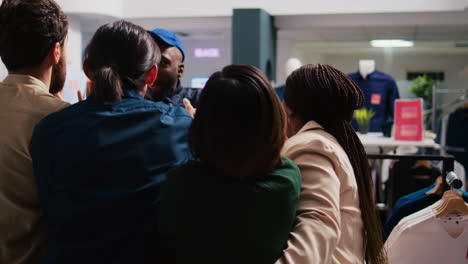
x=167 y=108
x=378 y=75
x=191 y=93
x=285 y=178
x=313 y=139
x=189 y=90
x=354 y=75
x=49 y=103
x=288 y=170
x=287 y=165
x=65 y=113
x=318 y=143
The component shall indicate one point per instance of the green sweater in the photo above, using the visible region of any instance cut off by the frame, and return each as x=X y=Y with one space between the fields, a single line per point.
x=209 y=218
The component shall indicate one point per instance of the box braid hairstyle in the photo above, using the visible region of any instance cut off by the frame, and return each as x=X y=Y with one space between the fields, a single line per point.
x=328 y=96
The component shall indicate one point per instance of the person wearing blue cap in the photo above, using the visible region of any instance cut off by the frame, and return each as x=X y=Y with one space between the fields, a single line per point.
x=171 y=69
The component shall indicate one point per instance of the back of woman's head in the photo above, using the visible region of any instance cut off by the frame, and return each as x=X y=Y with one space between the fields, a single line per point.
x=239 y=125
x=322 y=93
x=119 y=56
x=328 y=96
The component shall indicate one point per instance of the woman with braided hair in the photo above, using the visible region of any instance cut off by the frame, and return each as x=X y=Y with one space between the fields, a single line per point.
x=336 y=220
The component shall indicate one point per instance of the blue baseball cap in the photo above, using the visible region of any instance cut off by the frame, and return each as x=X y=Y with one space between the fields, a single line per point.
x=169 y=38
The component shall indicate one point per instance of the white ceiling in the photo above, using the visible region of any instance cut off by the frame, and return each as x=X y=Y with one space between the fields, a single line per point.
x=364 y=47
x=343 y=34
x=432 y=32
x=433 y=26
x=216 y=8
x=451 y=26
x=367 y=33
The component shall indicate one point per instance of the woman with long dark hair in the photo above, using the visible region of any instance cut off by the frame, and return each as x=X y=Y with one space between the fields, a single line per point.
x=337 y=220
x=99 y=164
x=237 y=202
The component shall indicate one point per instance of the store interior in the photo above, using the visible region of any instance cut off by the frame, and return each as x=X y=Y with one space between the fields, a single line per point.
x=410 y=41
x=440 y=41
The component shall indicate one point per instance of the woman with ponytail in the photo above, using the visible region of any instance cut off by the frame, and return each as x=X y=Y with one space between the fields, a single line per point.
x=99 y=164
x=336 y=220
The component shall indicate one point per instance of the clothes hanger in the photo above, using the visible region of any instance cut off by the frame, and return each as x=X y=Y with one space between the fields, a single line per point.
x=452 y=200
x=438 y=188
x=451 y=203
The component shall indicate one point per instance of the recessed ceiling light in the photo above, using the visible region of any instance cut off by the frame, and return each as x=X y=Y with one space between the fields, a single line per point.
x=394 y=43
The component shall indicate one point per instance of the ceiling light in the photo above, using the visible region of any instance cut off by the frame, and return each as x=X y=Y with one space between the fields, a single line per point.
x=394 y=43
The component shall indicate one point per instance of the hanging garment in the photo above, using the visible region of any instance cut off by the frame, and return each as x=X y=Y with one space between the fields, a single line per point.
x=457 y=131
x=405 y=179
x=410 y=204
x=424 y=238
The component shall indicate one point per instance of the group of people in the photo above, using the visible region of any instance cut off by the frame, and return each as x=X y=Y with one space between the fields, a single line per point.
x=146 y=171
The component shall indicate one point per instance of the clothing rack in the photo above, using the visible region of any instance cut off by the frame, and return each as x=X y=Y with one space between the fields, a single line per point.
x=444 y=123
x=453 y=181
x=450 y=105
x=447 y=169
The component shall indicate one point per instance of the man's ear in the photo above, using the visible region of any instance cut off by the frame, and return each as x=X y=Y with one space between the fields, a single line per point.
x=56 y=53
x=86 y=70
x=151 y=75
x=180 y=70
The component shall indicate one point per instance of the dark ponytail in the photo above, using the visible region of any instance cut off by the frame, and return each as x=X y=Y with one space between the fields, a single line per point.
x=328 y=96
x=119 y=56
x=106 y=86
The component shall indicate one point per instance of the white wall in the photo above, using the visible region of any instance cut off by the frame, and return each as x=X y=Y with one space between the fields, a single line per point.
x=112 y=8
x=397 y=65
x=76 y=80
x=284 y=48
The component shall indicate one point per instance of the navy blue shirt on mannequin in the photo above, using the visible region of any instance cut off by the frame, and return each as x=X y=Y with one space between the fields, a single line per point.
x=380 y=91
x=99 y=169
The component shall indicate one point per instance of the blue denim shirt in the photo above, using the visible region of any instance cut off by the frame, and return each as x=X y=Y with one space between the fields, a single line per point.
x=99 y=169
x=192 y=94
x=380 y=92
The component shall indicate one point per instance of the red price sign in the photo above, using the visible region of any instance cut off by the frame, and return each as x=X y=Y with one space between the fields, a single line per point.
x=409 y=120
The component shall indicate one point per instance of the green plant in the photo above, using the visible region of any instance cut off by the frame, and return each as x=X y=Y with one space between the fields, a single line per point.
x=422 y=87
x=363 y=116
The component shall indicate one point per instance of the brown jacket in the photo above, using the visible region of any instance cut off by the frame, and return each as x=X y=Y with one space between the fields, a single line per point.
x=24 y=101
x=329 y=226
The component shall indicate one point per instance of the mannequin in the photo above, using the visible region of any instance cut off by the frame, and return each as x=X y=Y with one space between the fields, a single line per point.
x=380 y=91
x=366 y=67
x=291 y=65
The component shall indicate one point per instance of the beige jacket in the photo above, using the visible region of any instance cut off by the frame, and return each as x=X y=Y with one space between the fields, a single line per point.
x=24 y=101
x=329 y=226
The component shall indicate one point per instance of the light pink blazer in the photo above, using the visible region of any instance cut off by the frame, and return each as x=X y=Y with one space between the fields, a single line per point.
x=329 y=226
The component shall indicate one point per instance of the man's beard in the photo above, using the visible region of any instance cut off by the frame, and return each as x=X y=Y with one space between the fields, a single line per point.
x=161 y=91
x=59 y=75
